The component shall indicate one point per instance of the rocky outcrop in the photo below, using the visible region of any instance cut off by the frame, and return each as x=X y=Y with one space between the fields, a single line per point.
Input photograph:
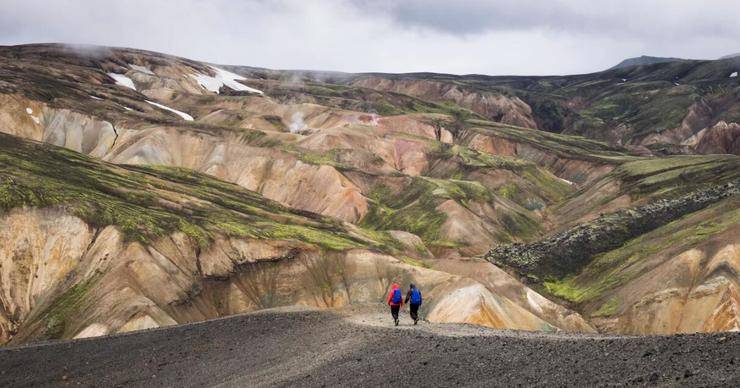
x=570 y=250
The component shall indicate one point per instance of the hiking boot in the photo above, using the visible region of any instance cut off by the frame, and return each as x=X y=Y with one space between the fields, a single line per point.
x=415 y=321
x=396 y=321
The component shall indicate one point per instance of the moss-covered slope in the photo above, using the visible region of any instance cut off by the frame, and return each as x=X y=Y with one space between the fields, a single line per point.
x=147 y=202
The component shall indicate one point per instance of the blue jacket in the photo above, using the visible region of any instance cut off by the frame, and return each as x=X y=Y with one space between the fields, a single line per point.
x=413 y=296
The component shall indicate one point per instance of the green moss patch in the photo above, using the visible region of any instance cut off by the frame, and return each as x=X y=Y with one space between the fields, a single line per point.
x=574 y=147
x=66 y=307
x=414 y=209
x=471 y=158
x=677 y=174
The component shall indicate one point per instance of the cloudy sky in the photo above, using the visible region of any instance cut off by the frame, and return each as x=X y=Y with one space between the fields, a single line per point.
x=474 y=36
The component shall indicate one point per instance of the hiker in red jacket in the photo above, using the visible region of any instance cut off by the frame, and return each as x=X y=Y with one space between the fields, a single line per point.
x=395 y=300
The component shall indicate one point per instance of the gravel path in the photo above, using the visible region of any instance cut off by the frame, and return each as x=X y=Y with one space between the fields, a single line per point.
x=362 y=348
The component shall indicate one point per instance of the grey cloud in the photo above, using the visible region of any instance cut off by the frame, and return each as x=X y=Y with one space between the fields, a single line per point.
x=609 y=17
x=476 y=16
x=474 y=36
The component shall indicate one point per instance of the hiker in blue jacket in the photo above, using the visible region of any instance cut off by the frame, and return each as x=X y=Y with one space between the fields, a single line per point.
x=413 y=299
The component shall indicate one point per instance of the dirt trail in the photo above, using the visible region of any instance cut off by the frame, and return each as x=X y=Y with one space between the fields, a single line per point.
x=377 y=316
x=360 y=347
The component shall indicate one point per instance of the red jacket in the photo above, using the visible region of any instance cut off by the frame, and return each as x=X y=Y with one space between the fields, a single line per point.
x=394 y=287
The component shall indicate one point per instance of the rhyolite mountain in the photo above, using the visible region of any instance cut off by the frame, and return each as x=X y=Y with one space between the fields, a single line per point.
x=643 y=60
x=140 y=190
x=728 y=56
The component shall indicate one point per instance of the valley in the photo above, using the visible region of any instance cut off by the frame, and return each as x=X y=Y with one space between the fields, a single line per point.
x=141 y=190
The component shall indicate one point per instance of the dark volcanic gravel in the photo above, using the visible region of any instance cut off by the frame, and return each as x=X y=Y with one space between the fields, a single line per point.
x=321 y=348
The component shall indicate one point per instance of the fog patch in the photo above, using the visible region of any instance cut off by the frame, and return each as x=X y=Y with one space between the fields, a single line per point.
x=297 y=124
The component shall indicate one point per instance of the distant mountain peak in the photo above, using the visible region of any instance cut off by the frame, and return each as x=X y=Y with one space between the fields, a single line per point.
x=644 y=60
x=735 y=55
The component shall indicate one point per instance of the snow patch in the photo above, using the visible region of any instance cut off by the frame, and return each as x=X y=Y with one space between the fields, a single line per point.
x=223 y=77
x=733 y=75
x=34 y=118
x=677 y=84
x=565 y=180
x=141 y=69
x=96 y=98
x=184 y=115
x=122 y=80
x=127 y=108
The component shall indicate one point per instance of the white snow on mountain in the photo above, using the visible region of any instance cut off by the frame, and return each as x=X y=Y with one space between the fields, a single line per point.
x=96 y=98
x=34 y=118
x=122 y=80
x=733 y=75
x=222 y=77
x=566 y=181
x=141 y=69
x=184 y=115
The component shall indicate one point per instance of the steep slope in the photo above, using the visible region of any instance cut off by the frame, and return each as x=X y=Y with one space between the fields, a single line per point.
x=682 y=277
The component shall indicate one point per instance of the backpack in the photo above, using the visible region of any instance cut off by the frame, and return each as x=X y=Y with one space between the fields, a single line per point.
x=397 y=297
x=415 y=296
